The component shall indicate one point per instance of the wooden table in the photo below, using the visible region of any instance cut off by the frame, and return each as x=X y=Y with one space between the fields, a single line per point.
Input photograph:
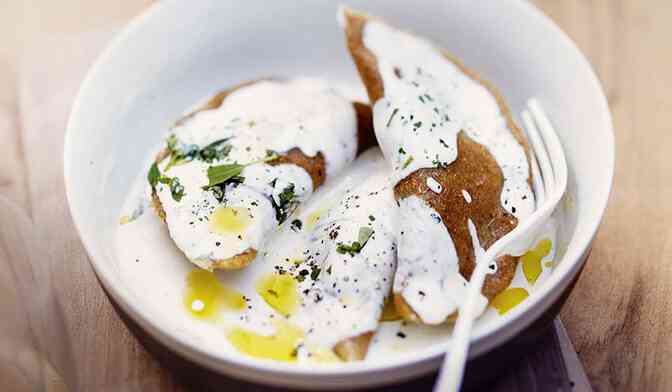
x=619 y=314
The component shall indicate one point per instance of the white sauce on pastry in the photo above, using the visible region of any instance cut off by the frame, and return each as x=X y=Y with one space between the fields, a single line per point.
x=428 y=101
x=253 y=120
x=348 y=297
x=428 y=278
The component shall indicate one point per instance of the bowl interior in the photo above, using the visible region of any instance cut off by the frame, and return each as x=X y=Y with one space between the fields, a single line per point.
x=178 y=53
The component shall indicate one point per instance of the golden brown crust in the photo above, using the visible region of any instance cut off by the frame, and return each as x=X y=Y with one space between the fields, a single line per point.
x=354 y=349
x=366 y=62
x=238 y=261
x=366 y=137
x=404 y=309
x=315 y=166
x=475 y=170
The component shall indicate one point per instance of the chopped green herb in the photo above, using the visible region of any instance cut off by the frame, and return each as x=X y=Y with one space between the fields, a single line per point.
x=372 y=218
x=438 y=164
x=286 y=199
x=272 y=292
x=315 y=273
x=407 y=162
x=287 y=194
x=351 y=249
x=364 y=234
x=176 y=189
x=218 y=192
x=401 y=150
x=216 y=150
x=153 y=175
x=171 y=142
x=418 y=124
x=297 y=225
x=222 y=173
x=182 y=153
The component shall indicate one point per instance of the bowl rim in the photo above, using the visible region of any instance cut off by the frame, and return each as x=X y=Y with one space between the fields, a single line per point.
x=516 y=320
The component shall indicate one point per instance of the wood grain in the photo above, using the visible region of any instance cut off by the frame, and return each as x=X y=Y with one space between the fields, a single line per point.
x=618 y=316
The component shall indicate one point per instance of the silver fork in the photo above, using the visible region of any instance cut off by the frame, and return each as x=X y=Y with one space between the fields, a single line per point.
x=549 y=181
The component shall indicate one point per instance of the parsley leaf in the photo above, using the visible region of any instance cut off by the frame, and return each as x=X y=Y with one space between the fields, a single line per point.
x=216 y=150
x=284 y=202
x=407 y=162
x=153 y=175
x=223 y=173
x=181 y=153
x=176 y=189
x=365 y=234
x=287 y=194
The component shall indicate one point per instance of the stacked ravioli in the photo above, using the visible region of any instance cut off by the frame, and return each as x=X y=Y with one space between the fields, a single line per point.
x=457 y=179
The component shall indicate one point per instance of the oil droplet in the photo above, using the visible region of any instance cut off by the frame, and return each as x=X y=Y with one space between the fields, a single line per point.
x=508 y=299
x=548 y=264
x=532 y=260
x=280 y=346
x=229 y=220
x=197 y=305
x=205 y=297
x=313 y=219
x=279 y=292
x=124 y=220
x=389 y=311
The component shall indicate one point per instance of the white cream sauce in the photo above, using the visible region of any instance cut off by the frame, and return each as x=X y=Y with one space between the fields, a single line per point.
x=428 y=101
x=347 y=298
x=279 y=115
x=423 y=110
x=268 y=115
x=154 y=271
x=428 y=275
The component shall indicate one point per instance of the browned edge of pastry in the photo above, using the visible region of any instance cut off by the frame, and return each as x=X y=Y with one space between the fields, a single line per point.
x=355 y=348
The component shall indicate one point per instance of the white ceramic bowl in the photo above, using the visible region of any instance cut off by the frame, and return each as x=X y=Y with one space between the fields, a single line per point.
x=178 y=52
